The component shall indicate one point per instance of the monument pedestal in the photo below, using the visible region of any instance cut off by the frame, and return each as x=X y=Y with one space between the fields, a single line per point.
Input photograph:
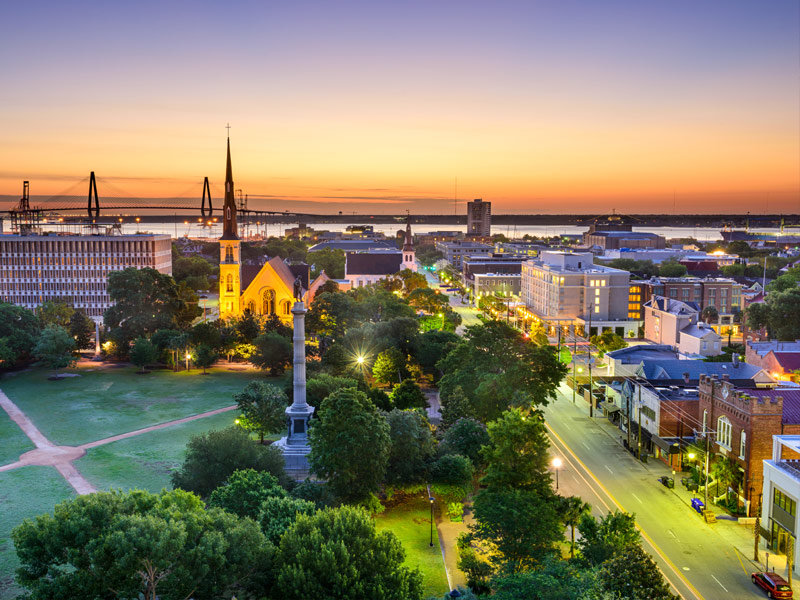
x=294 y=445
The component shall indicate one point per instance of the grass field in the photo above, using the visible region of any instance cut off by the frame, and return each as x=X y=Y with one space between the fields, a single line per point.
x=24 y=493
x=145 y=461
x=102 y=403
x=12 y=441
x=410 y=522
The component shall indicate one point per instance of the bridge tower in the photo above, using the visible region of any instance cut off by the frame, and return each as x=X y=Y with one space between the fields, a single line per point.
x=96 y=209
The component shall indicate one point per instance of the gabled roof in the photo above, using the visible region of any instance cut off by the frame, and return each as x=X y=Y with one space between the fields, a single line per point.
x=671 y=371
x=372 y=263
x=700 y=331
x=282 y=270
x=636 y=354
x=789 y=361
x=675 y=307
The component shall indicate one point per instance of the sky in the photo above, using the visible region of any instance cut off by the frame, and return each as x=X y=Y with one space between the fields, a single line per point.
x=381 y=107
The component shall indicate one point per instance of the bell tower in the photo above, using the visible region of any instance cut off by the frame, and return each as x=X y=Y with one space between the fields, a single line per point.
x=230 y=266
x=408 y=248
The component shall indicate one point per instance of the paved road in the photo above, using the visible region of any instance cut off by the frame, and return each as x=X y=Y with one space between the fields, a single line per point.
x=699 y=560
x=469 y=315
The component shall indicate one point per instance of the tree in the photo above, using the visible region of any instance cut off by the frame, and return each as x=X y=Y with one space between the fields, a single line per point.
x=454 y=406
x=278 y=513
x=519 y=527
x=348 y=423
x=143 y=353
x=466 y=437
x=411 y=447
x=194 y=271
x=672 y=268
x=273 y=352
x=600 y=540
x=205 y=356
x=144 y=301
x=408 y=394
x=631 y=573
x=496 y=368
x=726 y=471
x=263 y=408
x=323 y=385
x=517 y=453
x=138 y=544
x=428 y=300
x=390 y=366
x=330 y=260
x=453 y=469
x=412 y=280
x=245 y=491
x=554 y=579
x=19 y=327
x=709 y=314
x=248 y=326
x=55 y=312
x=54 y=348
x=206 y=334
x=427 y=255
x=780 y=314
x=571 y=509
x=431 y=346
x=81 y=329
x=608 y=341
x=337 y=554
x=211 y=458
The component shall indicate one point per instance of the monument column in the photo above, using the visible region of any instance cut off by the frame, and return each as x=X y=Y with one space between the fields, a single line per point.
x=295 y=446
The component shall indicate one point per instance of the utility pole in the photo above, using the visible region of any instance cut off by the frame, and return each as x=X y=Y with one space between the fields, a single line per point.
x=639 y=440
x=574 y=364
x=589 y=350
x=629 y=401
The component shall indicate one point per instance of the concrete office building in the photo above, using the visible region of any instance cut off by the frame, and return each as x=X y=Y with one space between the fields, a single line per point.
x=567 y=289
x=479 y=218
x=74 y=268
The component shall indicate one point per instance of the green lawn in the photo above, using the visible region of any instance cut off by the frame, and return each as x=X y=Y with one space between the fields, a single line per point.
x=24 y=493
x=12 y=441
x=410 y=522
x=566 y=356
x=145 y=461
x=109 y=401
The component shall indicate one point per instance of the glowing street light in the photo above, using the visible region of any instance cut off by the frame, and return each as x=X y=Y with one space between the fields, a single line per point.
x=360 y=360
x=556 y=464
x=188 y=356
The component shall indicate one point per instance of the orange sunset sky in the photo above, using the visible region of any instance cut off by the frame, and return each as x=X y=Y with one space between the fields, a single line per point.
x=551 y=107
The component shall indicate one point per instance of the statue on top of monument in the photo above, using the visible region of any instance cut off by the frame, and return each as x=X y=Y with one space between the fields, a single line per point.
x=298 y=289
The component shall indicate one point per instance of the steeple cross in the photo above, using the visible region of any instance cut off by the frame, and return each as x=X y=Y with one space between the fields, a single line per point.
x=228 y=127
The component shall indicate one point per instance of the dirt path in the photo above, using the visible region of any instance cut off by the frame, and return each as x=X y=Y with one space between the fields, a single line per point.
x=61 y=457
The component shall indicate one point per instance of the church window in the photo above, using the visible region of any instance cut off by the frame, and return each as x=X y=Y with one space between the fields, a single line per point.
x=286 y=308
x=229 y=283
x=251 y=307
x=268 y=302
x=229 y=254
x=724 y=432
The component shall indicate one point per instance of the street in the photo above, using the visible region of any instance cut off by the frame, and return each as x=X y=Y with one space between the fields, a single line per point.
x=698 y=560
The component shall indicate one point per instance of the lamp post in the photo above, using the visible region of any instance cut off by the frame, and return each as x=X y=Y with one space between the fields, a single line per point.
x=431 y=498
x=556 y=465
x=204 y=298
x=441 y=316
x=188 y=356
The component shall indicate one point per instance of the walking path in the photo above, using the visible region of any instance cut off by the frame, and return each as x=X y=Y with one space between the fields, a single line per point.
x=61 y=457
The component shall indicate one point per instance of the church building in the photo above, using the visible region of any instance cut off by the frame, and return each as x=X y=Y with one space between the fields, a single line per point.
x=268 y=289
x=365 y=268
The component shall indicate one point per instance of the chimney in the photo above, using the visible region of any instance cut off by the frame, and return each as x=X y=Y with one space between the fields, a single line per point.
x=686 y=378
x=726 y=377
x=735 y=361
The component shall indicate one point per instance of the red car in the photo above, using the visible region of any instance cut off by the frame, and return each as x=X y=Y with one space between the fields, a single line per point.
x=772 y=583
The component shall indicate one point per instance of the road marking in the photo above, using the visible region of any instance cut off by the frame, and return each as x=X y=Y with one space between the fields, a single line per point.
x=637 y=497
x=609 y=469
x=720 y=584
x=672 y=533
x=736 y=550
x=585 y=445
x=649 y=540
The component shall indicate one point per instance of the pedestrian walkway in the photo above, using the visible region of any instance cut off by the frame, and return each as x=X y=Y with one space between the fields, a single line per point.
x=62 y=457
x=737 y=538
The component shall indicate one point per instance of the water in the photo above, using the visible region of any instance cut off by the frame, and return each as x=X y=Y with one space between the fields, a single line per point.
x=194 y=229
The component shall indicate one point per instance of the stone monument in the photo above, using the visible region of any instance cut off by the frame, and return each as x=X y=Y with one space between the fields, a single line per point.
x=295 y=446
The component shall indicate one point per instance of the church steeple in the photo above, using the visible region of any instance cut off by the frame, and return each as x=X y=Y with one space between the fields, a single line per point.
x=229 y=208
x=408 y=248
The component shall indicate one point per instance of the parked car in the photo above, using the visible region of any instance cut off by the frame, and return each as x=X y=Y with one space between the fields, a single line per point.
x=775 y=585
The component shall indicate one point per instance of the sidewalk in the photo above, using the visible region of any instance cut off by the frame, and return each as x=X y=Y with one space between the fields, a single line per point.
x=739 y=537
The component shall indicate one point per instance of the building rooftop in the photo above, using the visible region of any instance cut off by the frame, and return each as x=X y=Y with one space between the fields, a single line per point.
x=791 y=402
x=636 y=354
x=373 y=263
x=674 y=307
x=353 y=245
x=676 y=371
x=763 y=348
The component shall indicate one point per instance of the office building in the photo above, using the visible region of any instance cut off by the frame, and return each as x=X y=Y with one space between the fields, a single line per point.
x=479 y=218
x=779 y=496
x=74 y=268
x=454 y=252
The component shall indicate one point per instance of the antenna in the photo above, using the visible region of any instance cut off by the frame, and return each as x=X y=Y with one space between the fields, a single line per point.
x=455 y=198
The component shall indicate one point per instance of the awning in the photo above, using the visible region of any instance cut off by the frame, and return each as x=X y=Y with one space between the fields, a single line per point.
x=609 y=407
x=668 y=446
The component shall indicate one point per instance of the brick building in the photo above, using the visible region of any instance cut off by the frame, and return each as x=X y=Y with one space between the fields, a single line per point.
x=741 y=425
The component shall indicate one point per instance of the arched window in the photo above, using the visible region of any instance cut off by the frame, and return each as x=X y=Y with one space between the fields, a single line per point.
x=724 y=432
x=742 y=443
x=286 y=308
x=251 y=307
x=268 y=302
x=229 y=254
x=229 y=283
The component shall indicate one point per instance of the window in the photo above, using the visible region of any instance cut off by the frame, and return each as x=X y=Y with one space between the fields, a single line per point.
x=268 y=302
x=286 y=307
x=783 y=501
x=229 y=283
x=742 y=443
x=596 y=308
x=229 y=253
x=705 y=421
x=724 y=432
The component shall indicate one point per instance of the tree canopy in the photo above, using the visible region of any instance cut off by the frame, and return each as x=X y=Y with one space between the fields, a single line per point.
x=55 y=347
x=263 y=408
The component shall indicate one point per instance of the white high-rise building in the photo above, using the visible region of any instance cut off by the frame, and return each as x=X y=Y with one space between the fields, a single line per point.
x=74 y=268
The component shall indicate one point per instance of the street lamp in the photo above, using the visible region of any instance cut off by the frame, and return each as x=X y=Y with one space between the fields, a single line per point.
x=188 y=356
x=431 y=498
x=441 y=316
x=556 y=465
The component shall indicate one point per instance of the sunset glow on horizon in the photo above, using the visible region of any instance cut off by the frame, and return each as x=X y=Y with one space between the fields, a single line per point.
x=540 y=107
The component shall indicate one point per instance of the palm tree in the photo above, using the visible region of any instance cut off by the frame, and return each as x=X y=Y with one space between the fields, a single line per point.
x=727 y=472
x=571 y=508
x=709 y=314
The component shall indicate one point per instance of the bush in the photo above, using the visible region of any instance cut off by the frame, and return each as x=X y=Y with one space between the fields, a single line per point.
x=455 y=510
